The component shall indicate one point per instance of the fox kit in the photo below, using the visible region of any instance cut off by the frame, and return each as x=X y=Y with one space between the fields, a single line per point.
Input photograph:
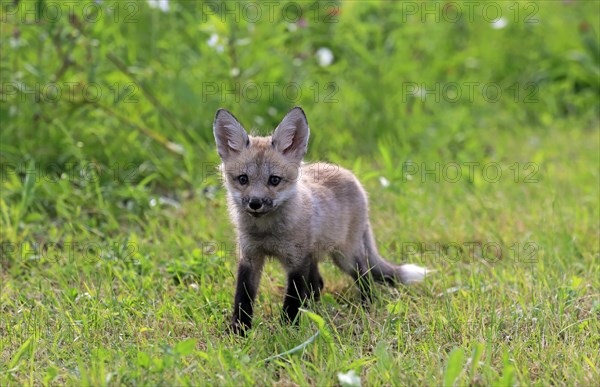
x=296 y=213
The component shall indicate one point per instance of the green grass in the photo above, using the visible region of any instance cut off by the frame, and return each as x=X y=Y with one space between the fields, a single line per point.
x=154 y=307
x=118 y=257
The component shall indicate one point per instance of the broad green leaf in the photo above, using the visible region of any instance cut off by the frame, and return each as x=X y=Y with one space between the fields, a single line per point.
x=185 y=347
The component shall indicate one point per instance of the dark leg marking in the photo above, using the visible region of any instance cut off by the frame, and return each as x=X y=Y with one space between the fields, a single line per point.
x=315 y=281
x=297 y=292
x=245 y=293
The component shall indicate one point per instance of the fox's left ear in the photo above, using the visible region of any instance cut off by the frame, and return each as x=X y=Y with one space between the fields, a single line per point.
x=291 y=135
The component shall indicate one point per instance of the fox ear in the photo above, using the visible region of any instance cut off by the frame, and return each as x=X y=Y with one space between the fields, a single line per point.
x=230 y=135
x=291 y=135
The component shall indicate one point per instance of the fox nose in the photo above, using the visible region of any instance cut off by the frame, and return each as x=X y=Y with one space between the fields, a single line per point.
x=255 y=204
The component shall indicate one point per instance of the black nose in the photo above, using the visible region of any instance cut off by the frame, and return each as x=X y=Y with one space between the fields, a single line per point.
x=255 y=204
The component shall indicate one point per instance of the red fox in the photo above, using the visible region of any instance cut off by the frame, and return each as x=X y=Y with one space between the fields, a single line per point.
x=297 y=213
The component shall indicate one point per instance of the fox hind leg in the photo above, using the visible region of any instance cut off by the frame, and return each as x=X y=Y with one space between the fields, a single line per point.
x=355 y=265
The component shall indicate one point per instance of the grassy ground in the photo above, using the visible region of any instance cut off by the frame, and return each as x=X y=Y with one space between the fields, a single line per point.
x=149 y=302
x=117 y=256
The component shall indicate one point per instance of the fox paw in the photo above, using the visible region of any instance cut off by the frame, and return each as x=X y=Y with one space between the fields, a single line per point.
x=238 y=328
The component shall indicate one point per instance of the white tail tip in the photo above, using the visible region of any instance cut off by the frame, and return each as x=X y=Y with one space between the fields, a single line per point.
x=412 y=273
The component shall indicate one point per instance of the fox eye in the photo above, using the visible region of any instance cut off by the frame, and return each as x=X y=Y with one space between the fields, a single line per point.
x=274 y=180
x=243 y=179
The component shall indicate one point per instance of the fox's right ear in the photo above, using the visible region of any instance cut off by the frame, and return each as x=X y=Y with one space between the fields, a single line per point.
x=230 y=135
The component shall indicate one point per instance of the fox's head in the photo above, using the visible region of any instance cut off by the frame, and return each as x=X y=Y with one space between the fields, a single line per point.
x=261 y=173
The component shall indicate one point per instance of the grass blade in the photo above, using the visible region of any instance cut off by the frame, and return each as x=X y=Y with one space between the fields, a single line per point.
x=454 y=366
x=293 y=350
